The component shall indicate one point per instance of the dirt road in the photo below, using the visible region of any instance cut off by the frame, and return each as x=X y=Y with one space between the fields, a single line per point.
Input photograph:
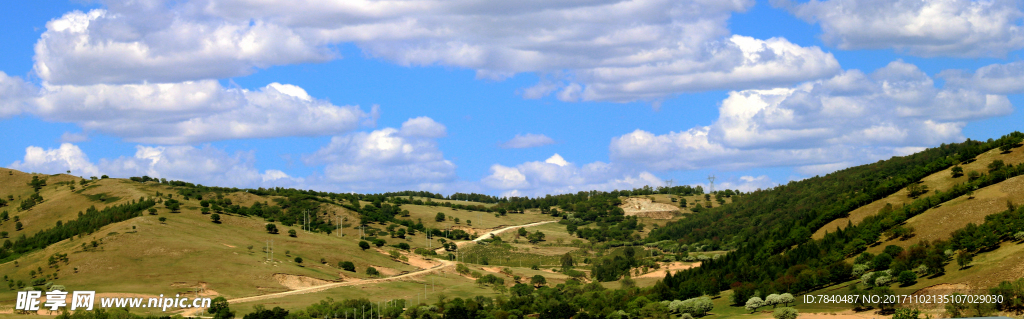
x=444 y=263
x=495 y=232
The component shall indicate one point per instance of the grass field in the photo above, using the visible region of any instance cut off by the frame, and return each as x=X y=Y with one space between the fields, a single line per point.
x=942 y=181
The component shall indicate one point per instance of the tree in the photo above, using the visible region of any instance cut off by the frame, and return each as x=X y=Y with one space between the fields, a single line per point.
x=372 y=271
x=152 y=211
x=957 y=171
x=906 y=313
x=538 y=281
x=298 y=260
x=219 y=308
x=457 y=220
x=567 y=262
x=439 y=217
x=521 y=231
x=881 y=262
x=215 y=218
x=996 y=165
x=785 y=313
x=786 y=299
x=364 y=245
x=292 y=233
x=18 y=226
x=271 y=228
x=163 y=219
x=347 y=266
x=907 y=278
x=964 y=258
x=753 y=303
x=973 y=175
x=627 y=282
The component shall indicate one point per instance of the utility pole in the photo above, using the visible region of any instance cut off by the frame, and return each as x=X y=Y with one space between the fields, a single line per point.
x=711 y=178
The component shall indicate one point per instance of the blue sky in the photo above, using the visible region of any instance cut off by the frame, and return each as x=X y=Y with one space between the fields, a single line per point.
x=480 y=96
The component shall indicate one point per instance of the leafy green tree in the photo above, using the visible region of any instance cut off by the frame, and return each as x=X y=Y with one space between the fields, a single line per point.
x=538 y=281
x=219 y=308
x=298 y=260
x=162 y=219
x=567 y=262
x=906 y=313
x=215 y=218
x=347 y=266
x=292 y=233
x=364 y=245
x=439 y=217
x=996 y=165
x=372 y=271
x=907 y=278
x=964 y=258
x=957 y=171
x=271 y=228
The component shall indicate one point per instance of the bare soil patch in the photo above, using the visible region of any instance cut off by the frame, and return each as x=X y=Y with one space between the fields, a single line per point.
x=666 y=267
x=644 y=207
x=297 y=282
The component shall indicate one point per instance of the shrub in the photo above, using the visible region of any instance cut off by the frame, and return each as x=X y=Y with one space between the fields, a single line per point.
x=298 y=260
x=785 y=313
x=347 y=266
x=372 y=271
x=907 y=278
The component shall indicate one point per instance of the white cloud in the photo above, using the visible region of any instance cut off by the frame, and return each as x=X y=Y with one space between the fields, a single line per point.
x=69 y=137
x=423 y=127
x=557 y=176
x=528 y=140
x=56 y=160
x=745 y=183
x=995 y=78
x=832 y=123
x=191 y=112
x=144 y=42
x=386 y=159
x=15 y=95
x=206 y=165
x=960 y=28
x=606 y=50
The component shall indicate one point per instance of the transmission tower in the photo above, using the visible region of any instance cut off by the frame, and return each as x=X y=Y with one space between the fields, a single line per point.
x=669 y=182
x=711 y=178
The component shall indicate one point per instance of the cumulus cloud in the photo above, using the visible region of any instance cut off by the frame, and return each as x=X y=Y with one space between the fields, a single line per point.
x=558 y=176
x=386 y=159
x=832 y=123
x=606 y=50
x=960 y=28
x=205 y=165
x=141 y=41
x=186 y=112
x=528 y=140
x=995 y=78
x=56 y=160
x=745 y=183
x=15 y=95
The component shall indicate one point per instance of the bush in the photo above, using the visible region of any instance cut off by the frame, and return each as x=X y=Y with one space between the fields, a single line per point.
x=785 y=313
x=372 y=271
x=907 y=278
x=364 y=245
x=291 y=232
x=347 y=266
x=298 y=260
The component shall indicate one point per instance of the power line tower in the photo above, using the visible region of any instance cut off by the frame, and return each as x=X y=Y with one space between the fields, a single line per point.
x=711 y=178
x=670 y=182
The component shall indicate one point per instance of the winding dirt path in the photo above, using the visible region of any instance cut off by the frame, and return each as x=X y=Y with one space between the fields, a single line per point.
x=442 y=265
x=493 y=232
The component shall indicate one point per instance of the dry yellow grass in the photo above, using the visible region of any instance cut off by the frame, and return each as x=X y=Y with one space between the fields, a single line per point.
x=942 y=180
